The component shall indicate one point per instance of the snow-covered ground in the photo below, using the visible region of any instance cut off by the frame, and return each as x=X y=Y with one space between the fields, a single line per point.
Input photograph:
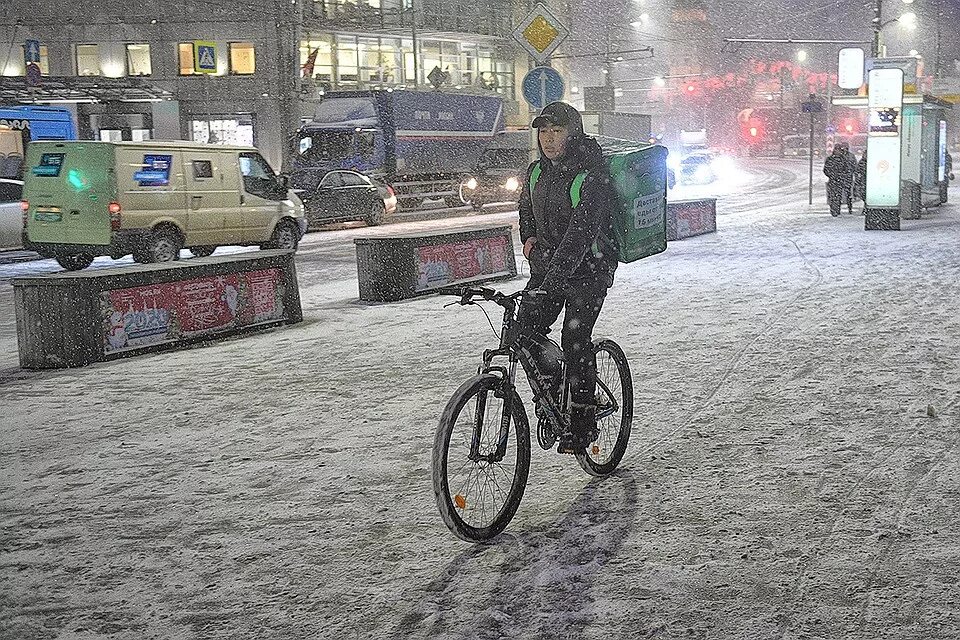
x=793 y=471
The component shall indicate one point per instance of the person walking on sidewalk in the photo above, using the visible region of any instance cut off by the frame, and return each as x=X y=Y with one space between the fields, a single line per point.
x=567 y=234
x=839 y=171
x=860 y=182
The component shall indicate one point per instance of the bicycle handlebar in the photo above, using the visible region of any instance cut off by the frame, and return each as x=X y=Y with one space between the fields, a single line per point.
x=467 y=294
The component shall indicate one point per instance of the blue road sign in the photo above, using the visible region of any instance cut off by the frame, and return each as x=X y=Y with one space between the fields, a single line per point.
x=541 y=86
x=31 y=51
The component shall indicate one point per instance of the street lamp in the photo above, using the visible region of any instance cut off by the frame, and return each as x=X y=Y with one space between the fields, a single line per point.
x=908 y=20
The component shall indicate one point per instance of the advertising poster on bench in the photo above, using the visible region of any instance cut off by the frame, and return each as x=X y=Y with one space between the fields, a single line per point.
x=445 y=264
x=149 y=315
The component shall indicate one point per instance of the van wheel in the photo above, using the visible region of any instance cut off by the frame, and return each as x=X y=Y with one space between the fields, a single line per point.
x=164 y=245
x=285 y=236
x=202 y=252
x=375 y=217
x=75 y=262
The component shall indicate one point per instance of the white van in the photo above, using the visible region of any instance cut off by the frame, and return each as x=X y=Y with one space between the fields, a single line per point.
x=83 y=199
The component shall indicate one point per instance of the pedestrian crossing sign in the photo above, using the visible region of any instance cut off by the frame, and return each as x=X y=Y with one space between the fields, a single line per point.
x=204 y=56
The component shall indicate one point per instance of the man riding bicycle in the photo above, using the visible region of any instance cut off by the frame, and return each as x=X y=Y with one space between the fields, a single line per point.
x=566 y=230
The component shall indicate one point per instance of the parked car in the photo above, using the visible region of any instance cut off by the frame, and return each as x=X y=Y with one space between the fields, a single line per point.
x=11 y=215
x=84 y=199
x=497 y=177
x=343 y=195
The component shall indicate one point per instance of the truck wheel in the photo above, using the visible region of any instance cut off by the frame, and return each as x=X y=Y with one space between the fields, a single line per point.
x=75 y=262
x=164 y=245
x=375 y=217
x=285 y=236
x=203 y=251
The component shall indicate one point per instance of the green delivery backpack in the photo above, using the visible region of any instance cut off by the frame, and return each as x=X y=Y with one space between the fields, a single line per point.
x=640 y=217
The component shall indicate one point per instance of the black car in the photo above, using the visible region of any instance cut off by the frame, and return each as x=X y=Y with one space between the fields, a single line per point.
x=497 y=177
x=344 y=195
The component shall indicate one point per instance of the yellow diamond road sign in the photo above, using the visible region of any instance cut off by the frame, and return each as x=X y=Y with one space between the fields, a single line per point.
x=540 y=33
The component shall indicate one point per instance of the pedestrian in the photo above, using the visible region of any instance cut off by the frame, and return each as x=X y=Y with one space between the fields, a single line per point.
x=571 y=253
x=837 y=168
x=851 y=170
x=860 y=182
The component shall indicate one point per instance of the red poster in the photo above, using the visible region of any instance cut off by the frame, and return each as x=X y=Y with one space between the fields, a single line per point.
x=153 y=314
x=445 y=264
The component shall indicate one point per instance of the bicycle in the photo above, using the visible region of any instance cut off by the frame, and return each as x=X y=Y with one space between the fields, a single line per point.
x=472 y=452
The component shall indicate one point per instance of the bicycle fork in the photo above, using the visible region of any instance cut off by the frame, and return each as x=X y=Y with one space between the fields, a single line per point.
x=506 y=390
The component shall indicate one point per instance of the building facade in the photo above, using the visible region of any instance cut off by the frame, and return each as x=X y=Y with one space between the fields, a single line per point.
x=245 y=72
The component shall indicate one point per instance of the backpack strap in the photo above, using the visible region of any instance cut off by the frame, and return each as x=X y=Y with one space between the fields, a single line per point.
x=575 y=187
x=534 y=176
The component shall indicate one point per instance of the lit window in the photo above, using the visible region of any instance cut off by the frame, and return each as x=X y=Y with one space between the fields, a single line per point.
x=88 y=59
x=242 y=60
x=185 y=51
x=138 y=60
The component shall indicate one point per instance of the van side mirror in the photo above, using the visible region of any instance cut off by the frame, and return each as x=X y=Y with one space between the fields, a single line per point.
x=284 y=180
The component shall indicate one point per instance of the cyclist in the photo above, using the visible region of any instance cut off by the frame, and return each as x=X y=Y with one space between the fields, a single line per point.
x=567 y=232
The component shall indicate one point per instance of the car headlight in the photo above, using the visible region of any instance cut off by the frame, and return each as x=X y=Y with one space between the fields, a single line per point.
x=471 y=183
x=512 y=184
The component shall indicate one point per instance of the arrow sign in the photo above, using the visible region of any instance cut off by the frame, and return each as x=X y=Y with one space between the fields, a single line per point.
x=31 y=51
x=541 y=86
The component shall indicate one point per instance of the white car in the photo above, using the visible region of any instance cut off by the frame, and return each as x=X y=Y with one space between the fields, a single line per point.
x=11 y=215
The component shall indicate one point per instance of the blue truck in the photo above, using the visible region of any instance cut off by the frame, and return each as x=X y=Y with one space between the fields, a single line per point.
x=421 y=143
x=19 y=125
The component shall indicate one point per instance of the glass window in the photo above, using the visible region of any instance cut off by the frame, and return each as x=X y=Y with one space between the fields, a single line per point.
x=332 y=179
x=185 y=53
x=352 y=179
x=138 y=60
x=235 y=131
x=88 y=59
x=259 y=179
x=21 y=70
x=242 y=58
x=202 y=169
x=252 y=165
x=321 y=66
x=348 y=72
x=11 y=191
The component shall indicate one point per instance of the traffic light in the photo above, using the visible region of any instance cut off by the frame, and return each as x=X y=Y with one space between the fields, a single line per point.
x=849 y=126
x=753 y=130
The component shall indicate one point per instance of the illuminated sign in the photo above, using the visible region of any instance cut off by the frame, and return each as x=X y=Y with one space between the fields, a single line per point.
x=885 y=103
x=850 y=64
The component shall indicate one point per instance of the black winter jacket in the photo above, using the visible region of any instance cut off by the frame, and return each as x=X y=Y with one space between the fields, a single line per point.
x=573 y=243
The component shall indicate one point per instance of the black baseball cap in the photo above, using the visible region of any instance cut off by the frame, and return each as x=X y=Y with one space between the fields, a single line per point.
x=559 y=114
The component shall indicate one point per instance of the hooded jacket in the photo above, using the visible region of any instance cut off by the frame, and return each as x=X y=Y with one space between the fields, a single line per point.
x=573 y=243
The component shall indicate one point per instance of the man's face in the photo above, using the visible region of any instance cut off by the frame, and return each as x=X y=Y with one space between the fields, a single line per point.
x=553 y=140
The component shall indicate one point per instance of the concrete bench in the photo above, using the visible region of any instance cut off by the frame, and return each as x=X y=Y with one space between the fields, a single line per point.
x=687 y=218
x=401 y=266
x=72 y=319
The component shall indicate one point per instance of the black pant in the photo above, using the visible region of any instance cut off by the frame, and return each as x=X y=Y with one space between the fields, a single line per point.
x=582 y=301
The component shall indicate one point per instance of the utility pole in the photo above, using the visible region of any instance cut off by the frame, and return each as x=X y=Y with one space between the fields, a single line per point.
x=877 y=12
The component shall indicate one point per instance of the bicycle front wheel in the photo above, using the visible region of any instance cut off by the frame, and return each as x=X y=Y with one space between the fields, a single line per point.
x=614 y=411
x=481 y=458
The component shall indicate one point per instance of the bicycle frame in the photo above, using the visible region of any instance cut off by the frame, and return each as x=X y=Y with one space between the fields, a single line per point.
x=510 y=343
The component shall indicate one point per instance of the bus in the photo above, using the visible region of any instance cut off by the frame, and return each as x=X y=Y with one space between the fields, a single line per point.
x=19 y=125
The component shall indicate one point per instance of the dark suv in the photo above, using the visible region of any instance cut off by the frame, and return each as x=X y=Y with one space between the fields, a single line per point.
x=498 y=177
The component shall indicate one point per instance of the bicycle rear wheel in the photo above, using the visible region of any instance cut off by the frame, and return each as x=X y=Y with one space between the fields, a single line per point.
x=477 y=498
x=614 y=411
